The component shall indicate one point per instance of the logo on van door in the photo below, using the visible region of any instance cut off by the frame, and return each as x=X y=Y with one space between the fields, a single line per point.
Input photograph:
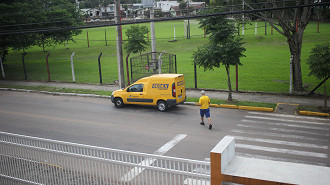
x=160 y=86
x=180 y=83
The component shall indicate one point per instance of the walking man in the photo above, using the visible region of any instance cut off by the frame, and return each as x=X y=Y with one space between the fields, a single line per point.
x=204 y=102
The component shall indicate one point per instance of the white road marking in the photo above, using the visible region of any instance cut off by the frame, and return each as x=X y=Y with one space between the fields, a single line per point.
x=280 y=150
x=279 y=159
x=264 y=133
x=308 y=145
x=284 y=130
x=288 y=120
x=289 y=116
x=285 y=124
x=147 y=162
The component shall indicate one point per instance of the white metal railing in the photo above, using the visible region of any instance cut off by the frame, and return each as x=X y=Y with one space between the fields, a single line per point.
x=32 y=160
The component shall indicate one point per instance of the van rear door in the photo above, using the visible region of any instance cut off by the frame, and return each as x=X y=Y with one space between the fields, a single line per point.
x=179 y=89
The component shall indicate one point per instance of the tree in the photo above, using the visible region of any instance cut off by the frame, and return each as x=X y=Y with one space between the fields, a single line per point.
x=224 y=48
x=32 y=18
x=319 y=64
x=136 y=41
x=182 y=5
x=291 y=23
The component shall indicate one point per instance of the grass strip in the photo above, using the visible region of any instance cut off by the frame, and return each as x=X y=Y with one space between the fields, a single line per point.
x=239 y=103
x=59 y=89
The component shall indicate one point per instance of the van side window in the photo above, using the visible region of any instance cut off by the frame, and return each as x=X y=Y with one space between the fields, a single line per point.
x=135 y=88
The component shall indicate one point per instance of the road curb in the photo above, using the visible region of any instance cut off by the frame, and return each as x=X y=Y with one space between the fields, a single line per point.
x=308 y=113
x=263 y=109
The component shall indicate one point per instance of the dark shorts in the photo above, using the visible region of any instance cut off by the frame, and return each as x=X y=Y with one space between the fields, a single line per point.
x=205 y=112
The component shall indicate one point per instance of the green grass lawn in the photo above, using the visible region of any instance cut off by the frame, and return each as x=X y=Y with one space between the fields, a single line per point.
x=265 y=67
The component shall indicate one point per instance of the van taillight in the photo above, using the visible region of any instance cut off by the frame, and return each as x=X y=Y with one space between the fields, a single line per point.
x=173 y=90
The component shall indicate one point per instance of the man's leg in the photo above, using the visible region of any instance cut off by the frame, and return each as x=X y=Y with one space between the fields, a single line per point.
x=202 y=116
x=208 y=116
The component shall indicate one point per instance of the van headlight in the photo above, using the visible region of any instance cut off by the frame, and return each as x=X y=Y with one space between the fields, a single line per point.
x=112 y=93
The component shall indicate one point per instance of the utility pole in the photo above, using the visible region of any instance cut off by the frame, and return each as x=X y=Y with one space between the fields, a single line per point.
x=153 y=39
x=243 y=20
x=188 y=29
x=121 y=78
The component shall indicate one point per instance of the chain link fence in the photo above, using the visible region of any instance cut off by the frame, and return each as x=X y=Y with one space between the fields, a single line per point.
x=152 y=63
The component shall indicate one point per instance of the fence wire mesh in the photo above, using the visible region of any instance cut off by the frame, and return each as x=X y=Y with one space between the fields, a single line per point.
x=152 y=63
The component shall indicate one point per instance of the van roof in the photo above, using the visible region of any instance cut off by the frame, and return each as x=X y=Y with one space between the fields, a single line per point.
x=160 y=76
x=167 y=75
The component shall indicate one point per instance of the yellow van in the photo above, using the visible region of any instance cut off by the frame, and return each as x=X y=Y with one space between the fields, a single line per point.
x=163 y=90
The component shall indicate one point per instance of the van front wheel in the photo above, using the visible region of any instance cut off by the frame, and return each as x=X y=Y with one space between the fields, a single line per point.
x=162 y=106
x=119 y=103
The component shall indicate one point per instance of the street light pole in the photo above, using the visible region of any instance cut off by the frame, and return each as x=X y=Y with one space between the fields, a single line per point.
x=153 y=39
x=121 y=77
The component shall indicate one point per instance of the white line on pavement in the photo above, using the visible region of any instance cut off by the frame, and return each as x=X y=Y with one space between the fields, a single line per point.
x=147 y=162
x=284 y=130
x=285 y=124
x=288 y=120
x=289 y=116
x=264 y=133
x=308 y=145
x=278 y=159
x=280 y=150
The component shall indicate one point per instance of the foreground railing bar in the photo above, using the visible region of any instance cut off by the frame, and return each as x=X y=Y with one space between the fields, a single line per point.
x=108 y=160
x=104 y=149
x=18 y=179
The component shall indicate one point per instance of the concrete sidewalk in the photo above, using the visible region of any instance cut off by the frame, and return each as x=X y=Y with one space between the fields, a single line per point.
x=255 y=97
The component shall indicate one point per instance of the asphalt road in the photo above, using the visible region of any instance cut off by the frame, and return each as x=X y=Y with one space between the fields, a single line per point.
x=96 y=121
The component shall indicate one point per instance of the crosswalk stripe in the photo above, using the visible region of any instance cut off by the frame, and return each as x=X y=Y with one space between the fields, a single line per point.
x=288 y=120
x=284 y=130
x=271 y=141
x=280 y=150
x=278 y=159
x=289 y=116
x=149 y=161
x=284 y=124
x=264 y=133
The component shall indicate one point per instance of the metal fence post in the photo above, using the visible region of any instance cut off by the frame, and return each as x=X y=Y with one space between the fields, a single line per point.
x=236 y=78
x=87 y=40
x=195 y=73
x=48 y=66
x=2 y=70
x=24 y=68
x=73 y=76
x=100 y=67
x=105 y=37
x=176 y=69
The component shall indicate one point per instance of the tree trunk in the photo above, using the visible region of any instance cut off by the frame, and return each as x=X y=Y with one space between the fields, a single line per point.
x=230 y=98
x=295 y=44
x=293 y=24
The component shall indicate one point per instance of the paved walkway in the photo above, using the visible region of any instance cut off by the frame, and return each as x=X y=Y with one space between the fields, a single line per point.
x=255 y=97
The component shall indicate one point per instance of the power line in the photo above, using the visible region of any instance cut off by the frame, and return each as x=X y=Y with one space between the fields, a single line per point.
x=156 y=13
x=164 y=19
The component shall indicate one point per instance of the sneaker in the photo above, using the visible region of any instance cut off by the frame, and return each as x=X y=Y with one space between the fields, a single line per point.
x=202 y=123
x=210 y=126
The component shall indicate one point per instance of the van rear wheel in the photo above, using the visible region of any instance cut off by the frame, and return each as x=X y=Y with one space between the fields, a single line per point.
x=162 y=106
x=119 y=103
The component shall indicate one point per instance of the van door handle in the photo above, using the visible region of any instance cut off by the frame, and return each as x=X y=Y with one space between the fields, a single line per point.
x=140 y=94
